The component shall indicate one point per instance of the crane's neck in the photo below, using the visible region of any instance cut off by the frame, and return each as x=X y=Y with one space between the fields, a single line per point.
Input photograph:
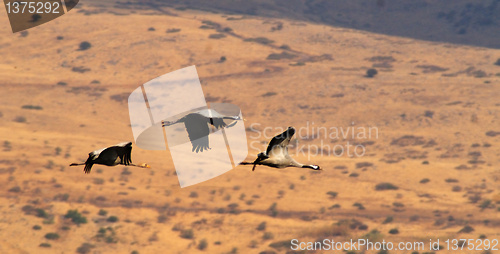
x=300 y=165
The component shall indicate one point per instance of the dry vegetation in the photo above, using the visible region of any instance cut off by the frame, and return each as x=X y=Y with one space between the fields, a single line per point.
x=432 y=172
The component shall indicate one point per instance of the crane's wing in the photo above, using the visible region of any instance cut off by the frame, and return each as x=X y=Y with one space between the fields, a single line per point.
x=124 y=151
x=280 y=141
x=198 y=131
x=88 y=164
x=218 y=123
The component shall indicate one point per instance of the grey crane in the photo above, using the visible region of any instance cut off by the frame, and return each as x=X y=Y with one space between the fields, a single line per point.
x=196 y=124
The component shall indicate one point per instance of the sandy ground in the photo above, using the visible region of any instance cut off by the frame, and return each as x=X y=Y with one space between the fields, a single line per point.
x=434 y=107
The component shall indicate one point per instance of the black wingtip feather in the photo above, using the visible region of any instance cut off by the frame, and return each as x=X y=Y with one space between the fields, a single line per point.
x=87 y=168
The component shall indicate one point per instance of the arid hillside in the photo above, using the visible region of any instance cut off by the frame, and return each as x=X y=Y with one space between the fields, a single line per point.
x=429 y=168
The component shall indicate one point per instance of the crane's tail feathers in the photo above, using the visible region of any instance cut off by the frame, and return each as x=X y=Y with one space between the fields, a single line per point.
x=87 y=168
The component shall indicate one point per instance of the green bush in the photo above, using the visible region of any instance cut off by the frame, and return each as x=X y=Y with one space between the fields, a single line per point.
x=52 y=236
x=262 y=226
x=332 y=194
x=370 y=73
x=187 y=234
x=76 y=217
x=112 y=219
x=85 y=248
x=203 y=244
x=386 y=186
x=84 y=45
x=45 y=245
x=35 y=107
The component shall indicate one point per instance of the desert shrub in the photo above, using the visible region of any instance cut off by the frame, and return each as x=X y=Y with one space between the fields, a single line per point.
x=286 y=244
x=456 y=188
x=98 y=181
x=485 y=204
x=268 y=94
x=187 y=234
x=39 y=212
x=37 y=227
x=261 y=40
x=203 y=244
x=75 y=217
x=162 y=218
x=466 y=229
x=222 y=59
x=359 y=206
x=274 y=211
x=80 y=69
x=52 y=236
x=173 y=30
x=60 y=38
x=425 y=180
x=394 y=231
x=151 y=29
x=61 y=83
x=84 y=45
x=85 y=248
x=126 y=172
x=193 y=194
x=253 y=244
x=363 y=164
x=386 y=186
x=217 y=36
x=112 y=219
x=334 y=206
x=261 y=226
x=389 y=219
x=233 y=208
x=429 y=113
x=20 y=119
x=267 y=236
x=15 y=189
x=475 y=198
x=370 y=73
x=102 y=212
x=45 y=245
x=35 y=107
x=332 y=194
x=398 y=204
x=279 y=56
